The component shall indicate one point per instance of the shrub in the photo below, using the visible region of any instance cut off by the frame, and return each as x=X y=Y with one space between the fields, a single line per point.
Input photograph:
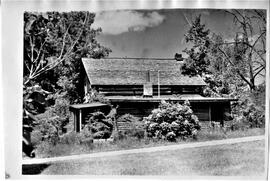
x=171 y=136
x=36 y=137
x=254 y=116
x=51 y=123
x=135 y=127
x=172 y=120
x=49 y=126
x=250 y=109
x=98 y=126
x=71 y=138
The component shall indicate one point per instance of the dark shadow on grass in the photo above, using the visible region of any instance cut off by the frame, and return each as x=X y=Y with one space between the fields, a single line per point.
x=33 y=169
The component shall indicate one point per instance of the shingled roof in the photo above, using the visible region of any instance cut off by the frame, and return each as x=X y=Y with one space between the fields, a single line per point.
x=133 y=71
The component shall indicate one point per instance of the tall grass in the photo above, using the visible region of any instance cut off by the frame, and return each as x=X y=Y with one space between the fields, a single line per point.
x=72 y=146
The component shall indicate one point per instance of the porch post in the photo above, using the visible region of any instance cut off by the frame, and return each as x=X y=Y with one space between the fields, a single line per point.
x=209 y=114
x=74 y=119
x=158 y=85
x=80 y=120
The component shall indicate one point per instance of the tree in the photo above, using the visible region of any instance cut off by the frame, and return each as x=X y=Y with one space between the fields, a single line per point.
x=246 y=53
x=200 y=59
x=223 y=79
x=52 y=39
x=53 y=46
x=197 y=61
x=33 y=103
x=214 y=56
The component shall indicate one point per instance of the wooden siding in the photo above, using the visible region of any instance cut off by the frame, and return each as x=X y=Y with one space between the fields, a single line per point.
x=137 y=90
x=124 y=125
x=120 y=90
x=137 y=109
x=206 y=111
x=200 y=109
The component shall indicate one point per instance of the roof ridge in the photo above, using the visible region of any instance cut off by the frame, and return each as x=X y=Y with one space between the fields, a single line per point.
x=138 y=58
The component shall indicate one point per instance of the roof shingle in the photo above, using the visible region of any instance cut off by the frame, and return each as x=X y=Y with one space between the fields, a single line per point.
x=133 y=71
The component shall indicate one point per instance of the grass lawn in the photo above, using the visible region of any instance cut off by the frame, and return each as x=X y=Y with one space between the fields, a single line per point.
x=241 y=159
x=46 y=150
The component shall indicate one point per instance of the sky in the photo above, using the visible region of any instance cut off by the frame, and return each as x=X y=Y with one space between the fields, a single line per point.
x=155 y=33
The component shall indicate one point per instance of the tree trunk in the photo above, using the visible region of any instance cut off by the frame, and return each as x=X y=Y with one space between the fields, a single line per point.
x=252 y=84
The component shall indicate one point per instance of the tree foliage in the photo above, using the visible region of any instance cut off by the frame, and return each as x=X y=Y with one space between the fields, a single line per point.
x=250 y=108
x=197 y=62
x=51 y=123
x=33 y=103
x=52 y=39
x=237 y=61
x=245 y=54
x=54 y=44
x=222 y=78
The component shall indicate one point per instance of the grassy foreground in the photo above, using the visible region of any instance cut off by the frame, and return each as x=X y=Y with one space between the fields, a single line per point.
x=241 y=159
x=46 y=150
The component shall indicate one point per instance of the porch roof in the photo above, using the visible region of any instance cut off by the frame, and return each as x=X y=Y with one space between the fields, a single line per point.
x=87 y=105
x=189 y=97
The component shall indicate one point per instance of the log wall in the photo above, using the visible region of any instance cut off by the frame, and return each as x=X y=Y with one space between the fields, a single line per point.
x=137 y=90
x=205 y=111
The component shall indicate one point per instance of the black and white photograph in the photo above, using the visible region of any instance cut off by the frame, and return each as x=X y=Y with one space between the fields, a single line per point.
x=144 y=92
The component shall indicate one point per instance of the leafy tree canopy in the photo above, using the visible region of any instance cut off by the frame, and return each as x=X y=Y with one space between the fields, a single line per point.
x=54 y=44
x=197 y=61
x=220 y=61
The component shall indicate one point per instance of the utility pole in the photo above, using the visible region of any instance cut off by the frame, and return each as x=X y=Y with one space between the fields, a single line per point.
x=158 y=86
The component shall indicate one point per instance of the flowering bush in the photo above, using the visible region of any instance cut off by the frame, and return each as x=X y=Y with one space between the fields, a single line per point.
x=170 y=121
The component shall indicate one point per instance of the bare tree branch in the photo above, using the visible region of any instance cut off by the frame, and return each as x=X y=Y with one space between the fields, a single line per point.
x=237 y=71
x=187 y=20
x=261 y=16
x=259 y=71
x=251 y=46
x=26 y=66
x=235 y=17
x=64 y=42
x=60 y=59
x=263 y=33
x=32 y=55
x=39 y=51
x=257 y=68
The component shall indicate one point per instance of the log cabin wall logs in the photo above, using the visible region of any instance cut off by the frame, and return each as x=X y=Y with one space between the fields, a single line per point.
x=137 y=90
x=200 y=109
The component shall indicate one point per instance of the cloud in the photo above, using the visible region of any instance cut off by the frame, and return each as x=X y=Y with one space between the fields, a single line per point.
x=117 y=22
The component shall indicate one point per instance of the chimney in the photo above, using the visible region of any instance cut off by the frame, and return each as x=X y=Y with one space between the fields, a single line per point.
x=148 y=76
x=148 y=87
x=178 y=57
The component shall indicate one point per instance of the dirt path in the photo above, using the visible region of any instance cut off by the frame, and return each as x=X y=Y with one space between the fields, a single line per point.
x=144 y=150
